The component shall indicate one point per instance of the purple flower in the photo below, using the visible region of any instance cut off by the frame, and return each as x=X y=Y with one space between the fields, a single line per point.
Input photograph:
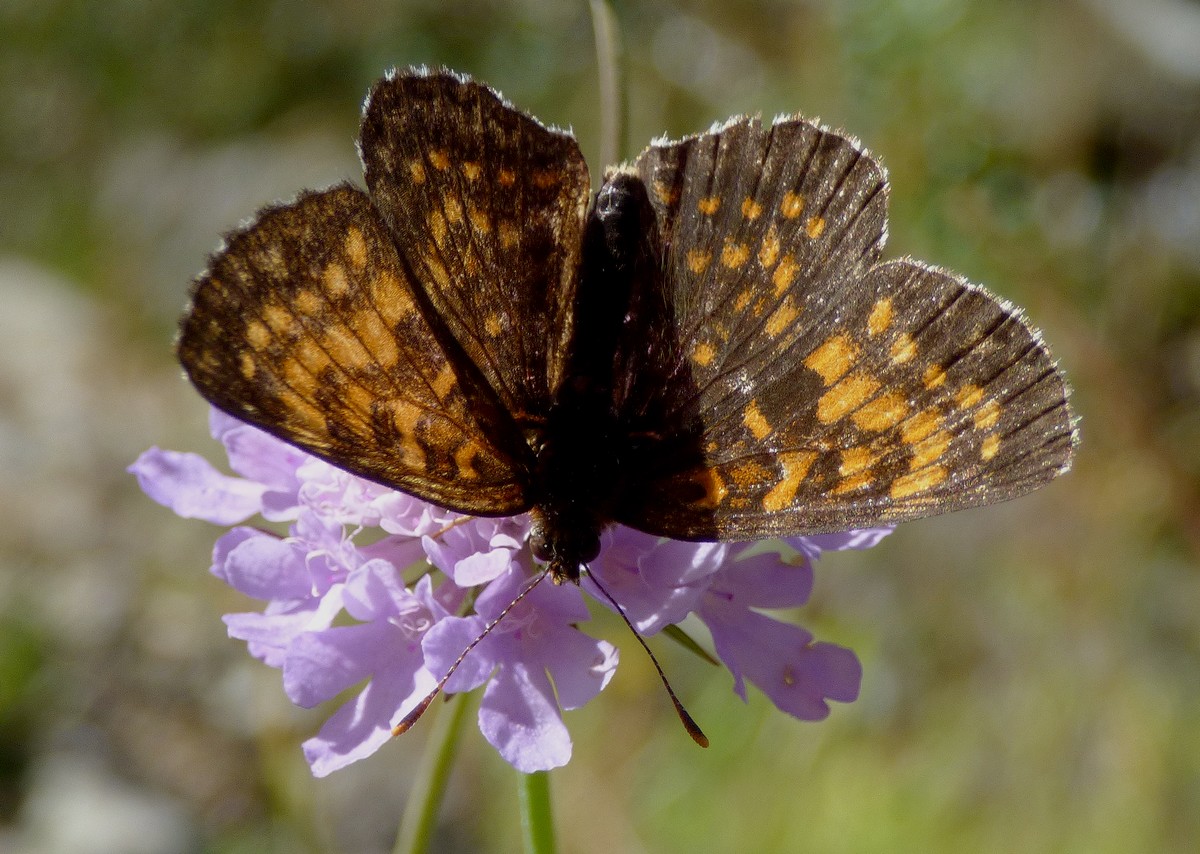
x=350 y=598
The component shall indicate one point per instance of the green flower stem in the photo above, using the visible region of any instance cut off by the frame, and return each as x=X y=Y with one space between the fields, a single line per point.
x=537 y=822
x=420 y=813
x=608 y=49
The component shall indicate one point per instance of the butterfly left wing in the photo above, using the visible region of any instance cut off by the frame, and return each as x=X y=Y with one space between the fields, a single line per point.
x=823 y=391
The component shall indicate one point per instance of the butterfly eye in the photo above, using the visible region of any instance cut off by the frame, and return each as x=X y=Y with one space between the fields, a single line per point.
x=538 y=545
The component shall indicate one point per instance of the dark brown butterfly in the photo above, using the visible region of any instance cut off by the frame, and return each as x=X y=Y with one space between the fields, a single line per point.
x=707 y=348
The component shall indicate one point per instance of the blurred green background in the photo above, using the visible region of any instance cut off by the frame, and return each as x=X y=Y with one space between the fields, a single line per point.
x=1032 y=671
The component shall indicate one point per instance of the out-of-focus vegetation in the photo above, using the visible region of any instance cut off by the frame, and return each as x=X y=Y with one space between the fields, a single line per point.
x=1032 y=670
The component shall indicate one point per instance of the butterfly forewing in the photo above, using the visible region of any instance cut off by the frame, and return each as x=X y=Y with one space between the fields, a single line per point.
x=759 y=226
x=487 y=207
x=306 y=324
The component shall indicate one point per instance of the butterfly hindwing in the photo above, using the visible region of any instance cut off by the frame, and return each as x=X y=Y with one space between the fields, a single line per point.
x=307 y=325
x=487 y=208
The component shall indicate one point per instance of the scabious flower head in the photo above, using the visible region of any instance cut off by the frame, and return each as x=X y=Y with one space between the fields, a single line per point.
x=351 y=598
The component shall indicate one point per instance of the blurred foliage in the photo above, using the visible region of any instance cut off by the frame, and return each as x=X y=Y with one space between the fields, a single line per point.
x=1031 y=669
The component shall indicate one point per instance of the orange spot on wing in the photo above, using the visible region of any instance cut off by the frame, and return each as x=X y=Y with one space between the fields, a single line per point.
x=755 y=421
x=734 y=255
x=987 y=416
x=882 y=413
x=768 y=252
x=698 y=260
x=849 y=393
x=355 y=246
x=258 y=334
x=444 y=382
x=921 y=481
x=855 y=460
x=509 y=234
x=792 y=205
x=278 y=318
x=710 y=481
x=880 y=317
x=833 y=358
x=795 y=466
x=246 y=365
x=781 y=318
x=903 y=348
x=968 y=396
x=929 y=450
x=703 y=354
x=784 y=274
x=309 y=303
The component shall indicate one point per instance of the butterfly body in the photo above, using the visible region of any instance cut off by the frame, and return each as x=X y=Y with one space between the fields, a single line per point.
x=708 y=348
x=586 y=444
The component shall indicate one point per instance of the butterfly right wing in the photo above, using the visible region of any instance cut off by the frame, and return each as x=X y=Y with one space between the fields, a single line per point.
x=814 y=389
x=307 y=325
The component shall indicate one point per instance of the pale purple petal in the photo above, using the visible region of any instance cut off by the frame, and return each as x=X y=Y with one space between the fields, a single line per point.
x=341 y=496
x=190 y=486
x=269 y=634
x=364 y=724
x=320 y=665
x=765 y=581
x=260 y=457
x=481 y=567
x=783 y=662
x=411 y=517
x=580 y=666
x=261 y=565
x=400 y=552
x=520 y=718
x=445 y=642
x=548 y=603
x=857 y=539
x=656 y=582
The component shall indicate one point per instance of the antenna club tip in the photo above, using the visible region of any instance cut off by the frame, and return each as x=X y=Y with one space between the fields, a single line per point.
x=693 y=729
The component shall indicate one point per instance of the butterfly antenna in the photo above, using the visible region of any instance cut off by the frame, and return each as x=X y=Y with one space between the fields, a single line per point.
x=411 y=718
x=689 y=724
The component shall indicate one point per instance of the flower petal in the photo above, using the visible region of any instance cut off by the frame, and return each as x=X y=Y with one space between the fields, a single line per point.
x=320 y=665
x=190 y=486
x=445 y=642
x=261 y=565
x=783 y=662
x=581 y=666
x=364 y=724
x=520 y=718
x=269 y=634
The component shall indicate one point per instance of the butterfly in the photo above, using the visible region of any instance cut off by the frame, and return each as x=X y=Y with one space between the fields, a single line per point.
x=707 y=348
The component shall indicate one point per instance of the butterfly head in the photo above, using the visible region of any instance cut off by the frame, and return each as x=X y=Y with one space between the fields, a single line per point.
x=564 y=548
